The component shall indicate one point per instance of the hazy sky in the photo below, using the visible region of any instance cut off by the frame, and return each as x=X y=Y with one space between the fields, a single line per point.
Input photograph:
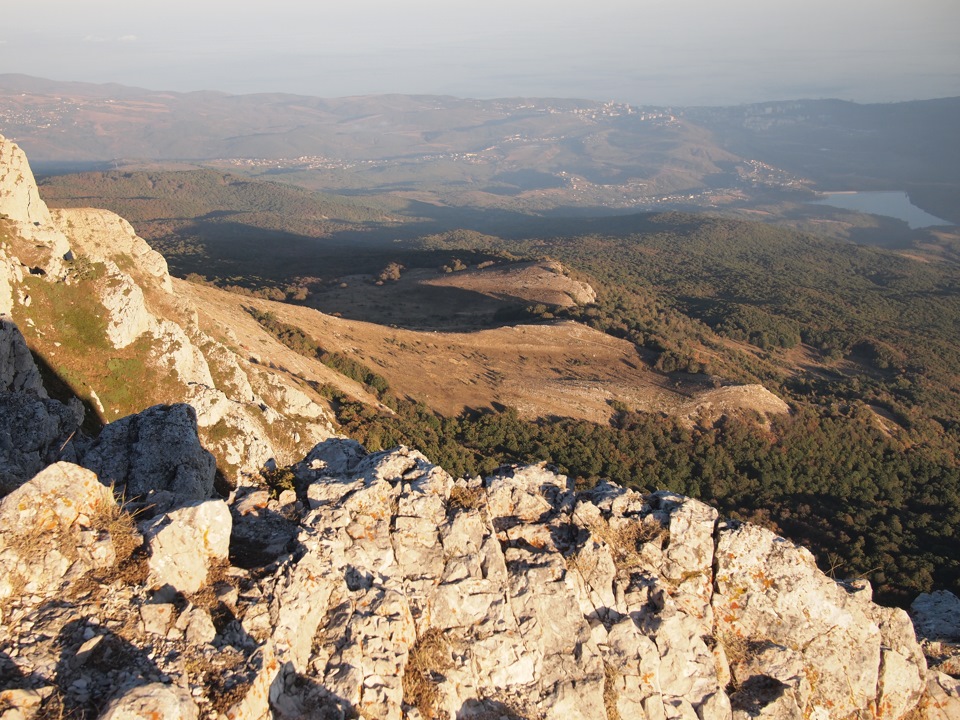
x=659 y=52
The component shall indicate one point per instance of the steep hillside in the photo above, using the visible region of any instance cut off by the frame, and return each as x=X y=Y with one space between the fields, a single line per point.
x=97 y=305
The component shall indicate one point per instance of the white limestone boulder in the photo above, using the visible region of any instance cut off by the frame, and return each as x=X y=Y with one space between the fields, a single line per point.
x=184 y=542
x=49 y=533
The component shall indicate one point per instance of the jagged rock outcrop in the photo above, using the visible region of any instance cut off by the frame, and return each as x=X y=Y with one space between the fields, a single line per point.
x=837 y=651
x=105 y=236
x=34 y=432
x=400 y=592
x=118 y=283
x=18 y=371
x=46 y=247
x=154 y=456
x=520 y=594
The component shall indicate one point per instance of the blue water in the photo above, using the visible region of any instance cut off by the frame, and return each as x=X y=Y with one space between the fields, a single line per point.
x=893 y=204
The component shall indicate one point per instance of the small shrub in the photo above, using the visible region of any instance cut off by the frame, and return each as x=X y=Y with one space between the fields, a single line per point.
x=121 y=524
x=465 y=498
x=278 y=480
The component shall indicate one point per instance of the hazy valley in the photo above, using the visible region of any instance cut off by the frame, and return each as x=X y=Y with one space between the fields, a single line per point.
x=628 y=294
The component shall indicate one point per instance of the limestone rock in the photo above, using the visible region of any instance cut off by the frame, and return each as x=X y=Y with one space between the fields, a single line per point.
x=232 y=381
x=184 y=542
x=48 y=532
x=173 y=344
x=104 y=236
x=266 y=684
x=19 y=704
x=290 y=400
x=20 y=203
x=231 y=431
x=155 y=701
x=11 y=274
x=261 y=533
x=19 y=198
x=943 y=697
x=128 y=317
x=513 y=595
x=770 y=593
x=333 y=458
x=155 y=455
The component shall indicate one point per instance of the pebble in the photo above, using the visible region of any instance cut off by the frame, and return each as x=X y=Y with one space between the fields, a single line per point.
x=88 y=633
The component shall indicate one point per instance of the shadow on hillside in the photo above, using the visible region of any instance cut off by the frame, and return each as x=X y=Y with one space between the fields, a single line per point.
x=414 y=305
x=59 y=388
x=234 y=249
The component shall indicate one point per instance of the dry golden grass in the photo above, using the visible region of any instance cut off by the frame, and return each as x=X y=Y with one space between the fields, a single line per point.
x=121 y=524
x=464 y=498
x=428 y=658
x=610 y=694
x=626 y=541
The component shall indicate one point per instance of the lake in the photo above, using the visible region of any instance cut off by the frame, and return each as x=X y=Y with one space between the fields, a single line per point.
x=893 y=204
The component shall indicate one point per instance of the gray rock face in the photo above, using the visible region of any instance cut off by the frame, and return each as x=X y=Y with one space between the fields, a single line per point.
x=18 y=371
x=155 y=455
x=937 y=615
x=34 y=432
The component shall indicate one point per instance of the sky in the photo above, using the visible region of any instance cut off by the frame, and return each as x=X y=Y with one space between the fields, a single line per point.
x=644 y=52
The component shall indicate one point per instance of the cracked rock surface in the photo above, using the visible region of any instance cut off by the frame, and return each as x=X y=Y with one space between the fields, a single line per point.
x=395 y=591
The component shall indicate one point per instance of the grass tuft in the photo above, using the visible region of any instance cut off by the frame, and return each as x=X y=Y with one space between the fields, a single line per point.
x=422 y=676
